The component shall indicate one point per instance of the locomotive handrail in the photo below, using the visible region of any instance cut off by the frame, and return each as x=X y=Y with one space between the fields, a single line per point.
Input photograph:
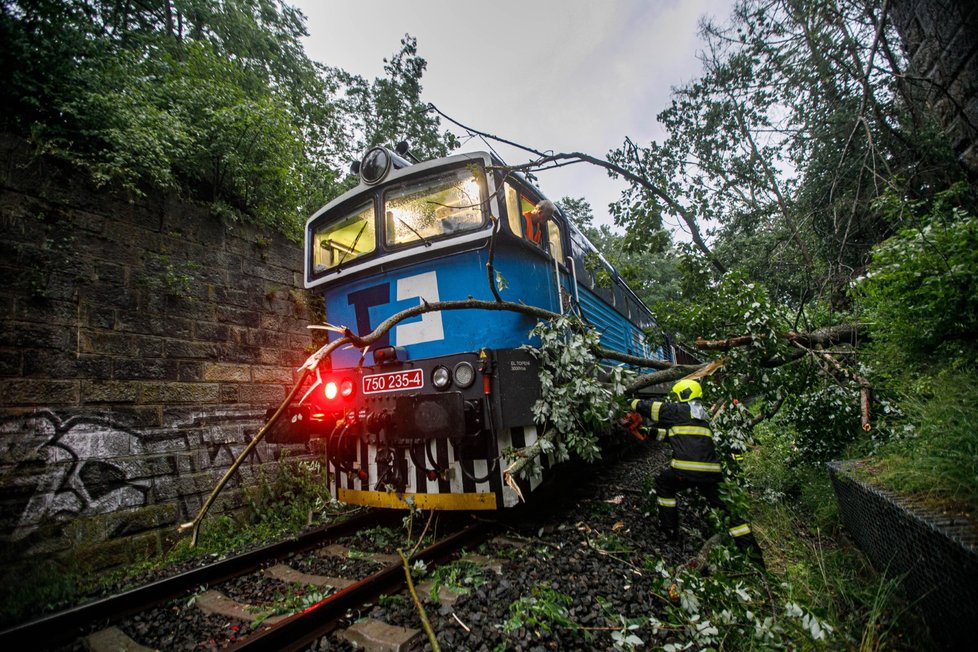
x=573 y=269
x=560 y=299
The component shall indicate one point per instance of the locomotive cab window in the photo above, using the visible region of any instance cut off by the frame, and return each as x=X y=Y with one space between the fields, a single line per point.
x=513 y=212
x=344 y=240
x=443 y=206
x=518 y=208
x=553 y=233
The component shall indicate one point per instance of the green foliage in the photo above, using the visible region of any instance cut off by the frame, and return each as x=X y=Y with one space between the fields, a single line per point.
x=651 y=270
x=623 y=638
x=459 y=577
x=696 y=609
x=215 y=100
x=383 y=538
x=545 y=608
x=27 y=590
x=282 y=504
x=299 y=599
x=934 y=450
x=163 y=274
x=795 y=516
x=294 y=494
x=921 y=290
x=576 y=406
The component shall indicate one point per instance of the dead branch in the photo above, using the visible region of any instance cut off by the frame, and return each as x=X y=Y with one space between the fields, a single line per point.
x=523 y=457
x=425 y=623
x=490 y=271
x=570 y=158
x=842 y=334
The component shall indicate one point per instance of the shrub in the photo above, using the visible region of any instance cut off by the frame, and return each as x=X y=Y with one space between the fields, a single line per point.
x=921 y=290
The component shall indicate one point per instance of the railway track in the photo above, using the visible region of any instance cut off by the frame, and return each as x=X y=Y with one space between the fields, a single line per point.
x=91 y=626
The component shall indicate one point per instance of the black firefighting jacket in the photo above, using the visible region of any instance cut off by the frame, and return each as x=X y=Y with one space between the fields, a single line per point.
x=686 y=426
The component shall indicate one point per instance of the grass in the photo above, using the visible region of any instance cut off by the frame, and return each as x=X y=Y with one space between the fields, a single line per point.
x=934 y=456
x=795 y=516
x=281 y=504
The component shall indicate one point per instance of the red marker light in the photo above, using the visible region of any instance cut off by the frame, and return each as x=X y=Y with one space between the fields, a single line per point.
x=346 y=388
x=330 y=390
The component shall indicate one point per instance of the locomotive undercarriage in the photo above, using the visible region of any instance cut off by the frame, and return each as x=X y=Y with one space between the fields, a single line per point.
x=443 y=473
x=434 y=447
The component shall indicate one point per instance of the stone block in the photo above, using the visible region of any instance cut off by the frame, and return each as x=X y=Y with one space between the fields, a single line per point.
x=113 y=639
x=119 y=344
x=271 y=339
x=65 y=365
x=116 y=552
x=281 y=375
x=122 y=523
x=110 y=391
x=377 y=636
x=46 y=311
x=145 y=323
x=39 y=392
x=238 y=317
x=212 y=332
x=261 y=394
x=108 y=296
x=146 y=369
x=136 y=416
x=229 y=394
x=10 y=363
x=191 y=371
x=20 y=335
x=216 y=371
x=183 y=349
x=168 y=393
x=96 y=317
x=189 y=307
x=277 y=275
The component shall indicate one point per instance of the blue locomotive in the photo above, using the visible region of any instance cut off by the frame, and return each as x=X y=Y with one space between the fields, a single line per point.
x=424 y=415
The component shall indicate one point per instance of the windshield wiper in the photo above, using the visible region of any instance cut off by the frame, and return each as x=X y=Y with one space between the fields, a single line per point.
x=420 y=237
x=353 y=247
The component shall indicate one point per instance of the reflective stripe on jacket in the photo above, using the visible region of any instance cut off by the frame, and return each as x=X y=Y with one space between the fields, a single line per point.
x=688 y=431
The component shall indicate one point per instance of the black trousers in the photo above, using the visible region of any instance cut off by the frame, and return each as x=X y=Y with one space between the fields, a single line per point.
x=669 y=482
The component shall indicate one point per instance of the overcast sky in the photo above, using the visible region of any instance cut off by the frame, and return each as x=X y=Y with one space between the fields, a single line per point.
x=562 y=75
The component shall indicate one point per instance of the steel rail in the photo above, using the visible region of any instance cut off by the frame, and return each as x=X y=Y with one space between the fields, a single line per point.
x=71 y=623
x=301 y=629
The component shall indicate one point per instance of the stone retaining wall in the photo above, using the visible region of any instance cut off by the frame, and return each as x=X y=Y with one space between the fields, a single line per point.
x=141 y=341
x=941 y=41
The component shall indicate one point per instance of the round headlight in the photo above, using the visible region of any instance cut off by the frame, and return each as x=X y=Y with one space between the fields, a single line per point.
x=375 y=165
x=330 y=390
x=441 y=377
x=464 y=375
x=346 y=388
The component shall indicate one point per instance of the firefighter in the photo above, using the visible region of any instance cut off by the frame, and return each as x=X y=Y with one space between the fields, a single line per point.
x=695 y=464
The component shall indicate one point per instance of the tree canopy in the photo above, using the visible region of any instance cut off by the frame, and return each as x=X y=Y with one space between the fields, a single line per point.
x=216 y=100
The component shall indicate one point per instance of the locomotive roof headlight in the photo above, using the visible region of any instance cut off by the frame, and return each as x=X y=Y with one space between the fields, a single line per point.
x=441 y=377
x=346 y=388
x=375 y=165
x=464 y=374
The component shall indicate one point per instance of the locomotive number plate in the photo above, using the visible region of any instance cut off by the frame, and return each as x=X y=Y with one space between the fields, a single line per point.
x=394 y=381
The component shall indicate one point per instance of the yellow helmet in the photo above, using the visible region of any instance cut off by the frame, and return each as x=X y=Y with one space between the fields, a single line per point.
x=687 y=390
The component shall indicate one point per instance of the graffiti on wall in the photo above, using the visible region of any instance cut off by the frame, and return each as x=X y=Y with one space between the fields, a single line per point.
x=55 y=468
